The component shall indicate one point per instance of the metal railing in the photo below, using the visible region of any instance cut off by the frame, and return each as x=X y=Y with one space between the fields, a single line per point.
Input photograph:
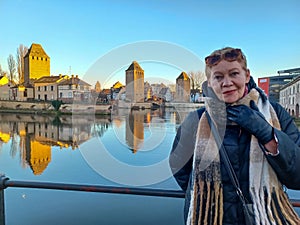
x=5 y=182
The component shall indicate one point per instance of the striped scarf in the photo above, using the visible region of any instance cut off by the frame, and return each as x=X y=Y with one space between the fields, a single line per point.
x=270 y=203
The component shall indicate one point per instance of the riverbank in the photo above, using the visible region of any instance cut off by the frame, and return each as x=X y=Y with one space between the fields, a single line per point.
x=82 y=108
x=47 y=108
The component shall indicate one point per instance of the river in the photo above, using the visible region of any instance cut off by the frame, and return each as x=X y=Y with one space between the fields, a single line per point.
x=125 y=149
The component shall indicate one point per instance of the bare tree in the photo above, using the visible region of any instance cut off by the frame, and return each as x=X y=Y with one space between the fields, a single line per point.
x=21 y=52
x=11 y=67
x=2 y=72
x=197 y=78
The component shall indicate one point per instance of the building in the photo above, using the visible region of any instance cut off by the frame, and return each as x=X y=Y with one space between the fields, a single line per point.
x=36 y=63
x=22 y=92
x=135 y=83
x=183 y=88
x=4 y=88
x=165 y=94
x=74 y=89
x=46 y=88
x=272 y=85
x=290 y=97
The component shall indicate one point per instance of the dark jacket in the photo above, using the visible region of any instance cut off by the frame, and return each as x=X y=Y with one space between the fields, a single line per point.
x=237 y=144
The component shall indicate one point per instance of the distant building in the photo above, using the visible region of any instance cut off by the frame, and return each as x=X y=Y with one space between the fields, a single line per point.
x=74 y=89
x=272 y=85
x=22 y=92
x=165 y=94
x=115 y=90
x=36 y=63
x=98 y=87
x=4 y=87
x=290 y=97
x=46 y=88
x=148 y=93
x=183 y=88
x=135 y=83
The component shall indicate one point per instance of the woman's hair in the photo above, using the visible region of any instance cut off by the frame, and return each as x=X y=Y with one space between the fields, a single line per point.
x=221 y=54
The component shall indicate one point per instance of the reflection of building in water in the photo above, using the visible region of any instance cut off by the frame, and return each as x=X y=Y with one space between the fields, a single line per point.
x=135 y=130
x=4 y=137
x=74 y=132
x=35 y=135
x=38 y=156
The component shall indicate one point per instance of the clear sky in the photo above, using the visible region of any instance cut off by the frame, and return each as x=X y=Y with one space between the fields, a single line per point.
x=76 y=34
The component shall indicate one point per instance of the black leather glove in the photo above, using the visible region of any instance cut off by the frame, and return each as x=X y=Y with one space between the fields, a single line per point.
x=252 y=121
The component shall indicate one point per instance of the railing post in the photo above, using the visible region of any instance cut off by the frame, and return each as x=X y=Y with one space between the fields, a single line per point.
x=2 y=209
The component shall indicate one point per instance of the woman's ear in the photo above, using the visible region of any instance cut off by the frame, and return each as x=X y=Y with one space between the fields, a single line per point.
x=247 y=75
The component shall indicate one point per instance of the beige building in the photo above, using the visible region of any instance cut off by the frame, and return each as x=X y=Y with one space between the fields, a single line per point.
x=36 y=63
x=74 y=89
x=183 y=88
x=45 y=88
x=135 y=83
x=289 y=97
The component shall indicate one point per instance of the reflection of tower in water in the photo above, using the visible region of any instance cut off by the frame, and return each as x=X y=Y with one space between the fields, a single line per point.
x=38 y=156
x=135 y=130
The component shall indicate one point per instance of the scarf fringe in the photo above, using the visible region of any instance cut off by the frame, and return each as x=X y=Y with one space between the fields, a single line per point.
x=273 y=208
x=209 y=204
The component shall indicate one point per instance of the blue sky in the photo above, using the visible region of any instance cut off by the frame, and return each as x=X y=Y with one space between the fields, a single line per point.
x=77 y=34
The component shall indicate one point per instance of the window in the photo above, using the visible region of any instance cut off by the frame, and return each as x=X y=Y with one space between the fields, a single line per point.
x=39 y=88
x=32 y=57
x=45 y=88
x=52 y=88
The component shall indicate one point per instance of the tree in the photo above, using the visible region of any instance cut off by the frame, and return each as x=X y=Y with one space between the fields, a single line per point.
x=56 y=104
x=21 y=52
x=2 y=72
x=11 y=67
x=197 y=78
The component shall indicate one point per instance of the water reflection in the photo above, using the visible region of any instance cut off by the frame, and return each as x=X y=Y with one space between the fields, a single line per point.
x=32 y=137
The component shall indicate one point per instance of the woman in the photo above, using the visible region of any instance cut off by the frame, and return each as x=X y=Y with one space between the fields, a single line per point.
x=259 y=137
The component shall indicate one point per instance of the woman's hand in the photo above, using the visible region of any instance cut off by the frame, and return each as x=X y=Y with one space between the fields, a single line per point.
x=252 y=121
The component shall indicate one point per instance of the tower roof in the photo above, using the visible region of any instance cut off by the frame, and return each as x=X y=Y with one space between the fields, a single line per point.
x=36 y=50
x=183 y=76
x=134 y=66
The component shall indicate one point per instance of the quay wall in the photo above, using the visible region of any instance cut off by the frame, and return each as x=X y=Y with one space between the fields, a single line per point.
x=44 y=107
x=75 y=108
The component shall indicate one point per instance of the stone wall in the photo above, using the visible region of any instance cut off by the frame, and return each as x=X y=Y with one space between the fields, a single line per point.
x=46 y=106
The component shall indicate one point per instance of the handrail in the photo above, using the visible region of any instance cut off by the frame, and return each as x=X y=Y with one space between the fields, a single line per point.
x=5 y=183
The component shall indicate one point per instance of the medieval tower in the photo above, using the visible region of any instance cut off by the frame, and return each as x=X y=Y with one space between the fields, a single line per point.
x=183 y=88
x=36 y=63
x=135 y=83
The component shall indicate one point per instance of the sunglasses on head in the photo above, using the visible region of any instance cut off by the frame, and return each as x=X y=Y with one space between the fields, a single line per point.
x=230 y=55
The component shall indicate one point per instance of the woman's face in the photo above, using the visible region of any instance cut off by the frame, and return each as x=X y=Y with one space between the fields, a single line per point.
x=228 y=80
